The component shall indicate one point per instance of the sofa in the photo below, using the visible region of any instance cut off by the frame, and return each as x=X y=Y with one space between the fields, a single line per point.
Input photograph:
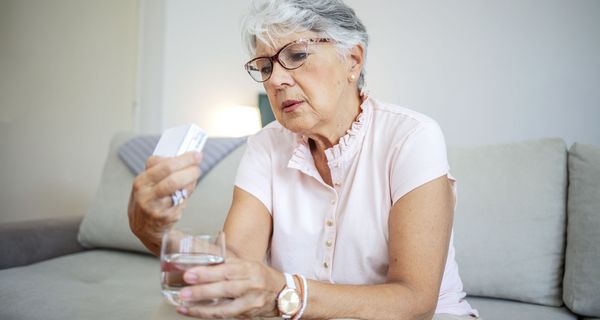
x=526 y=232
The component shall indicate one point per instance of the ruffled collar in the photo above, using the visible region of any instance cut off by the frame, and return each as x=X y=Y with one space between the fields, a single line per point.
x=341 y=153
x=353 y=137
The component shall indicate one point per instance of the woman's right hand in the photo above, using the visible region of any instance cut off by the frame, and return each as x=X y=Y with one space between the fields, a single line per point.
x=151 y=209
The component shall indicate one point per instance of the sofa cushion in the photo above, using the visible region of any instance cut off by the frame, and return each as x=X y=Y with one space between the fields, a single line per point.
x=94 y=284
x=582 y=268
x=497 y=309
x=510 y=219
x=107 y=284
x=106 y=223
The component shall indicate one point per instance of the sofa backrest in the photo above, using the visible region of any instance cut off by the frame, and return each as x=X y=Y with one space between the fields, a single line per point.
x=582 y=265
x=510 y=219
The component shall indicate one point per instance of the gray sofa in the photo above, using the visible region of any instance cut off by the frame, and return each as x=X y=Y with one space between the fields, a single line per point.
x=527 y=227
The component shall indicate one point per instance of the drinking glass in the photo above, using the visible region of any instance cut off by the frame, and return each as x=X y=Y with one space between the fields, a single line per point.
x=181 y=250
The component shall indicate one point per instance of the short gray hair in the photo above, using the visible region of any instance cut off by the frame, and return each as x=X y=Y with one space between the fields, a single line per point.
x=268 y=20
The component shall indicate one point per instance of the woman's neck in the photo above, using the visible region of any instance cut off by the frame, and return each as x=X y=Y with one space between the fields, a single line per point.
x=329 y=135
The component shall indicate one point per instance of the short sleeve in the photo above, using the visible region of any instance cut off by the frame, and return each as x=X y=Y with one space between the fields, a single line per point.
x=420 y=158
x=254 y=173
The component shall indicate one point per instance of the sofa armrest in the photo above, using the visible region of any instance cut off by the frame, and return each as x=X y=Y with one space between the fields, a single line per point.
x=27 y=242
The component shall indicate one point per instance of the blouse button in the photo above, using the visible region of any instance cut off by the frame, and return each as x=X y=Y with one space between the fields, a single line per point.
x=337 y=184
x=329 y=223
x=328 y=243
x=325 y=265
x=332 y=201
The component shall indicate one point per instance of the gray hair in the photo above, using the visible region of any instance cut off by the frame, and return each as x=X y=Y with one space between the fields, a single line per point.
x=268 y=20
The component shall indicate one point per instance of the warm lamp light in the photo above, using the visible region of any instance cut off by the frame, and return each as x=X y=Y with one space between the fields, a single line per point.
x=235 y=121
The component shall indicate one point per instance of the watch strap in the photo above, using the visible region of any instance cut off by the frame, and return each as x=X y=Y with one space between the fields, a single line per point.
x=289 y=281
x=304 y=293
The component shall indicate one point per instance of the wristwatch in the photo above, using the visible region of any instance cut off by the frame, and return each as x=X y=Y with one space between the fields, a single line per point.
x=288 y=300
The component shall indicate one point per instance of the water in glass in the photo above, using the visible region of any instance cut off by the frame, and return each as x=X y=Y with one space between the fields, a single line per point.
x=182 y=250
x=173 y=266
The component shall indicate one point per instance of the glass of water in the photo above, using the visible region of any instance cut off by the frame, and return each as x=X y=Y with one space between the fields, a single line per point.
x=181 y=250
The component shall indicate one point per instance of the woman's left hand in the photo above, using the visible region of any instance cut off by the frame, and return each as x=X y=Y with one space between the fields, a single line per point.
x=247 y=288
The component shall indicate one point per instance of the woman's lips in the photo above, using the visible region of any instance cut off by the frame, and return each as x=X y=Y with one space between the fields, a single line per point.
x=290 y=105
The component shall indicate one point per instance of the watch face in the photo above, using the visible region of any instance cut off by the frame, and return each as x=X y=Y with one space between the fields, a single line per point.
x=288 y=301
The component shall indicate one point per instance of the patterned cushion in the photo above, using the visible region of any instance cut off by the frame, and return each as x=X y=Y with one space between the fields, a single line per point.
x=136 y=151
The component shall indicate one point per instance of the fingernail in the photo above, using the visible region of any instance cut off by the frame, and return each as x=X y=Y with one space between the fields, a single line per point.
x=198 y=156
x=182 y=310
x=185 y=293
x=190 y=277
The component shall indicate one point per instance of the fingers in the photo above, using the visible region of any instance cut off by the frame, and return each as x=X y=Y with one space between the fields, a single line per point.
x=177 y=181
x=153 y=160
x=232 y=270
x=164 y=176
x=190 y=187
x=159 y=168
x=187 y=191
x=150 y=207
x=230 y=280
x=224 y=289
x=241 y=286
x=245 y=306
x=160 y=208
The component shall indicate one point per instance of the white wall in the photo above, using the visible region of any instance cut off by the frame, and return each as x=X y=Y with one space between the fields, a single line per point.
x=204 y=58
x=67 y=83
x=150 y=80
x=488 y=71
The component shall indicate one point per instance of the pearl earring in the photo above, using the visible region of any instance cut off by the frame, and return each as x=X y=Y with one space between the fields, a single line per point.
x=352 y=77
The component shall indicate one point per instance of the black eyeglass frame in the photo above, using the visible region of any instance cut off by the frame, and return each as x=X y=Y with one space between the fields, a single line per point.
x=275 y=58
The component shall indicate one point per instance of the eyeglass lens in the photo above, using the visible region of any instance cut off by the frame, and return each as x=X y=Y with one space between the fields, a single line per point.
x=290 y=57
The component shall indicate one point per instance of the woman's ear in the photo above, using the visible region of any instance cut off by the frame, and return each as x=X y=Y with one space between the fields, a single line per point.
x=357 y=59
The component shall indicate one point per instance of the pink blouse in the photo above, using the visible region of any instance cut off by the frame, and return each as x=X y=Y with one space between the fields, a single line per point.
x=339 y=234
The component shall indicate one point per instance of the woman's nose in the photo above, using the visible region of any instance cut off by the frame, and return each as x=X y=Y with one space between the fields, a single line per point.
x=280 y=76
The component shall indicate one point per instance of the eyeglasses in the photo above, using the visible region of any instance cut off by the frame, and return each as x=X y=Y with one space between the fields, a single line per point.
x=292 y=56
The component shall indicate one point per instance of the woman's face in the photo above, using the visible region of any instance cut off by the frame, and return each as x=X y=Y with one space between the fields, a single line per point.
x=307 y=99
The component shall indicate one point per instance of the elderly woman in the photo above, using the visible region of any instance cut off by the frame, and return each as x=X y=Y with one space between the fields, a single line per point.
x=342 y=208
